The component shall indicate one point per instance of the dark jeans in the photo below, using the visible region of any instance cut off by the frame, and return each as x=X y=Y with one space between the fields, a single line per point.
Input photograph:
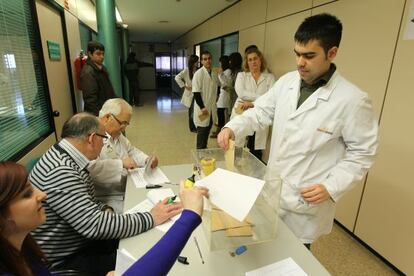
x=97 y=258
x=221 y=113
x=202 y=135
x=250 y=145
x=191 y=124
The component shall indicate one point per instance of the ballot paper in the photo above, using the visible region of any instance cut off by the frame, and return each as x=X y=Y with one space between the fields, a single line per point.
x=153 y=197
x=229 y=156
x=286 y=267
x=144 y=176
x=232 y=192
x=124 y=260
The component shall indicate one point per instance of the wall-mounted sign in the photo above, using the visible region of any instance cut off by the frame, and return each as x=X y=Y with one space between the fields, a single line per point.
x=53 y=49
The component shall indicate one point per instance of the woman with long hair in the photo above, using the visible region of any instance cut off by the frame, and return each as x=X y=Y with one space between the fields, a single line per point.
x=21 y=211
x=183 y=79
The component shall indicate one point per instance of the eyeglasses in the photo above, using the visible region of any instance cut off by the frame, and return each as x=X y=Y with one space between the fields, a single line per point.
x=123 y=123
x=104 y=137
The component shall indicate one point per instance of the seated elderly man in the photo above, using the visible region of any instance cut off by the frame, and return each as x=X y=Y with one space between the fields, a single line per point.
x=117 y=155
x=74 y=217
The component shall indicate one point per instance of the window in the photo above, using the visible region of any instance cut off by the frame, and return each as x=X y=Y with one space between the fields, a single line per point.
x=24 y=107
x=220 y=46
x=163 y=64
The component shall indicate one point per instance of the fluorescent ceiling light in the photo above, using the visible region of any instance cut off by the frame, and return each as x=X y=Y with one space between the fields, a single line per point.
x=118 y=15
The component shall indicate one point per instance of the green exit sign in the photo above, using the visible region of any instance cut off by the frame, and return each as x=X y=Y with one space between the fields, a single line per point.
x=54 y=50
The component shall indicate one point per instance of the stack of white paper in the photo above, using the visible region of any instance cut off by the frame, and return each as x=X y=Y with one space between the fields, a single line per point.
x=232 y=192
x=124 y=260
x=153 y=197
x=144 y=176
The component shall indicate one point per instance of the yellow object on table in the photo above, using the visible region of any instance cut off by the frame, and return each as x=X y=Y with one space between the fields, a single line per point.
x=208 y=165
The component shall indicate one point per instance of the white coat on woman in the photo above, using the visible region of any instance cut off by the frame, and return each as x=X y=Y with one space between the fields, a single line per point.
x=331 y=139
x=226 y=87
x=183 y=80
x=248 y=89
x=206 y=84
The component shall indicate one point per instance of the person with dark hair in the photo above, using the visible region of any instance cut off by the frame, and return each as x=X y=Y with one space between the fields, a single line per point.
x=95 y=83
x=250 y=47
x=204 y=86
x=235 y=62
x=131 y=69
x=250 y=85
x=21 y=211
x=81 y=230
x=184 y=79
x=223 y=101
x=325 y=134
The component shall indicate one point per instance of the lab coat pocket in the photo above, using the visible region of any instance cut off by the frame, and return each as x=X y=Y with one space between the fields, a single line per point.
x=324 y=133
x=292 y=201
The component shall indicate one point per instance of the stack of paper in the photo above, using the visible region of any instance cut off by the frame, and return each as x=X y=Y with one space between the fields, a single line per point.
x=286 y=267
x=153 y=197
x=144 y=176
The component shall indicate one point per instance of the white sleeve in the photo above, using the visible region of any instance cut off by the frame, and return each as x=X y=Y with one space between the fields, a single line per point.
x=106 y=171
x=180 y=78
x=225 y=79
x=197 y=81
x=139 y=157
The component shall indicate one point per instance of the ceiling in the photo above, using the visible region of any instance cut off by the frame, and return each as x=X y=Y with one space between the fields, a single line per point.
x=143 y=17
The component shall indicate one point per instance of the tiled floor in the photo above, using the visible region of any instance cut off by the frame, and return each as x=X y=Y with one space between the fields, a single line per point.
x=161 y=127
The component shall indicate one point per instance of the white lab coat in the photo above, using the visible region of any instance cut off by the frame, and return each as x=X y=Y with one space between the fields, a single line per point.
x=330 y=139
x=248 y=89
x=206 y=84
x=183 y=79
x=226 y=87
x=107 y=171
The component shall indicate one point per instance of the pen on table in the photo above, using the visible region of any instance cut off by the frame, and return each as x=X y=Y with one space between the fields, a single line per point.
x=171 y=199
x=199 y=251
x=153 y=186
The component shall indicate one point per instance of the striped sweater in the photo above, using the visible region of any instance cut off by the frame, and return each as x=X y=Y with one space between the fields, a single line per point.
x=72 y=214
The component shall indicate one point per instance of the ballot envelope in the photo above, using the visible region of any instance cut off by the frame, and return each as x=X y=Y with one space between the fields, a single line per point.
x=260 y=225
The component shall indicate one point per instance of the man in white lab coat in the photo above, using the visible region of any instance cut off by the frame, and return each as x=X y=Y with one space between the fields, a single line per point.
x=204 y=88
x=117 y=155
x=325 y=135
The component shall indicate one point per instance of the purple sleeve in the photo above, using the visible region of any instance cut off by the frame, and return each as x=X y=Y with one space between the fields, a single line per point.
x=162 y=256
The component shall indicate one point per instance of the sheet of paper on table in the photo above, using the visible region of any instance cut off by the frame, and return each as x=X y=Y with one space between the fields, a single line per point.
x=286 y=267
x=144 y=176
x=153 y=197
x=232 y=192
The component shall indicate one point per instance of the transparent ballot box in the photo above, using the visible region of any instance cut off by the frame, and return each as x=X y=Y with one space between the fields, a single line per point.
x=222 y=230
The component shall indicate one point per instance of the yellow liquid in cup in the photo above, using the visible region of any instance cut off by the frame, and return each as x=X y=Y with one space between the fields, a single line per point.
x=208 y=165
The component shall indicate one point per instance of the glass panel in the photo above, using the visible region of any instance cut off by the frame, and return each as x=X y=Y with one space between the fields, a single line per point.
x=24 y=110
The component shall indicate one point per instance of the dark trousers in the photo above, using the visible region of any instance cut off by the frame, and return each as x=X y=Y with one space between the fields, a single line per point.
x=191 y=124
x=202 y=135
x=97 y=258
x=221 y=113
x=250 y=145
x=133 y=92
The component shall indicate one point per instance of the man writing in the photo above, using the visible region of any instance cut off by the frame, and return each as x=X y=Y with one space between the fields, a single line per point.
x=324 y=135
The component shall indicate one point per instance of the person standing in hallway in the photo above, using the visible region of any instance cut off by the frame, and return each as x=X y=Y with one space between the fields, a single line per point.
x=204 y=86
x=95 y=83
x=184 y=79
x=235 y=62
x=250 y=85
x=131 y=68
x=325 y=135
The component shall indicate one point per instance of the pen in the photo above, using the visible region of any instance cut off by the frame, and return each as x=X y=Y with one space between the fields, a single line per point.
x=171 y=199
x=153 y=186
x=199 y=251
x=183 y=260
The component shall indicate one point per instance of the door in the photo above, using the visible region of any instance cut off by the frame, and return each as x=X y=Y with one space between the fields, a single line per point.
x=50 y=25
